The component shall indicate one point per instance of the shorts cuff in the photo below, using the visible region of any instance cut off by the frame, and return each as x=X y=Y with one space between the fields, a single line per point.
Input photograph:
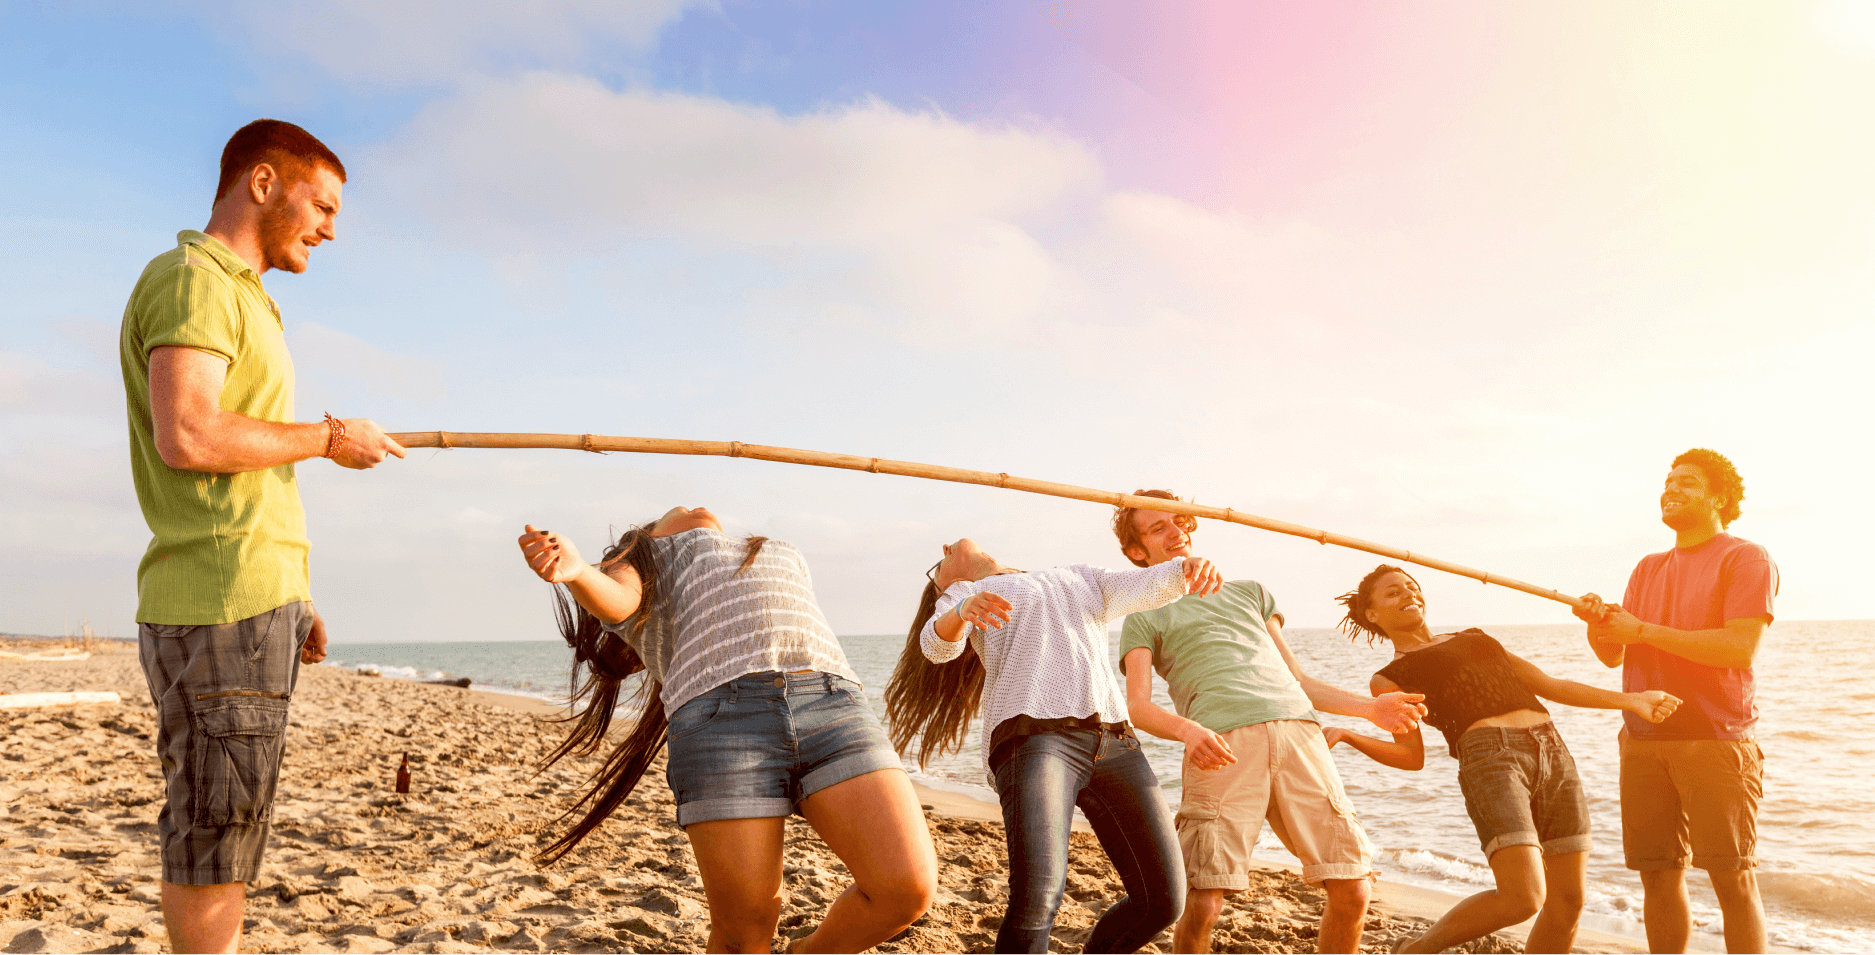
x=747 y=807
x=1655 y=865
x=1568 y=844
x=849 y=767
x=209 y=875
x=1234 y=882
x=1314 y=874
x=1724 y=863
x=1509 y=839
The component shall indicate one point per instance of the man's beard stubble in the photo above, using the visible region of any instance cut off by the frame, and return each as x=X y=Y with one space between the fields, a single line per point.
x=278 y=237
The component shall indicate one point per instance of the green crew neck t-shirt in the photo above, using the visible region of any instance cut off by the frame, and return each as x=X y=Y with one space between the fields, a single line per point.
x=1218 y=659
x=225 y=546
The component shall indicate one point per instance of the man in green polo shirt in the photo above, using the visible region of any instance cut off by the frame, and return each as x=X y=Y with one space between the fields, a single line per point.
x=224 y=602
x=1253 y=746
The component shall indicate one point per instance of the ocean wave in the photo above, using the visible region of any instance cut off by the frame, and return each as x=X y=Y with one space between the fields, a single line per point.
x=1842 y=897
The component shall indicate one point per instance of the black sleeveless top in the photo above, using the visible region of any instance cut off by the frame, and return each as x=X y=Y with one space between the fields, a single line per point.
x=1466 y=677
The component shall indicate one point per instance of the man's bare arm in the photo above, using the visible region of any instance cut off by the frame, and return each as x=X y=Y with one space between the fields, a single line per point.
x=1206 y=749
x=1732 y=646
x=1395 y=712
x=194 y=432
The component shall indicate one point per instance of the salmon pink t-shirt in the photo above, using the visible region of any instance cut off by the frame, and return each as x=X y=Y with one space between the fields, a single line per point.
x=1698 y=588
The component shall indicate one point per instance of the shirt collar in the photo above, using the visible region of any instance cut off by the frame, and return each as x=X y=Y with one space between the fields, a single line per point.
x=214 y=248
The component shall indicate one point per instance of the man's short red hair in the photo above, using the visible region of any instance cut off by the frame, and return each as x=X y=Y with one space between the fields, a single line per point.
x=293 y=153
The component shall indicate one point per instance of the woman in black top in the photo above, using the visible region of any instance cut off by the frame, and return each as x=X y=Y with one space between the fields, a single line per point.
x=1520 y=783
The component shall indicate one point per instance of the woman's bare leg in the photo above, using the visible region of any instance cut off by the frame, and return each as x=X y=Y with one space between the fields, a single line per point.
x=740 y=861
x=1519 y=895
x=875 y=825
x=1566 y=878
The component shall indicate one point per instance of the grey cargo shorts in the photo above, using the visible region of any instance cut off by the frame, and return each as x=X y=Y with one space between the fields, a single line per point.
x=221 y=693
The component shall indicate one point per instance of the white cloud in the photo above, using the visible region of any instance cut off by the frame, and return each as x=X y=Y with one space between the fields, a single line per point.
x=421 y=42
x=322 y=350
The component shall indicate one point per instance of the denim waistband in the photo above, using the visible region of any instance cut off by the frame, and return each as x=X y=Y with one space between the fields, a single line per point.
x=1541 y=732
x=770 y=681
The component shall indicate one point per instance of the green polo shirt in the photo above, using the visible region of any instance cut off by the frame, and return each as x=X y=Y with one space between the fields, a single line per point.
x=226 y=546
x=1218 y=659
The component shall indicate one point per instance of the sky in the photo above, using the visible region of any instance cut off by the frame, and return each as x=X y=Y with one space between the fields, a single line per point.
x=1462 y=278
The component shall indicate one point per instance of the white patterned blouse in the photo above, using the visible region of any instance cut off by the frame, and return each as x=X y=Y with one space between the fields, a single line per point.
x=1050 y=661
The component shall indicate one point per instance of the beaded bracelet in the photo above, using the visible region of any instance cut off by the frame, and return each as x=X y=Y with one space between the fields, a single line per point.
x=335 y=438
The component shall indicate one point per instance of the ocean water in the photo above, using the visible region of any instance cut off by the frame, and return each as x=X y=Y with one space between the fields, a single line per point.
x=1817 y=857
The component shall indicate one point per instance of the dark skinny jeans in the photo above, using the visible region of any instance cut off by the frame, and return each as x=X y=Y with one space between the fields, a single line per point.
x=1040 y=780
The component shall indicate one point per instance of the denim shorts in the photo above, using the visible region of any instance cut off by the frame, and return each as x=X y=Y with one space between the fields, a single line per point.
x=221 y=693
x=1521 y=789
x=756 y=746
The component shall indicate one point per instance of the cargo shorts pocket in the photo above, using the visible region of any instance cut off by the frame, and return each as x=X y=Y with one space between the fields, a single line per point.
x=237 y=765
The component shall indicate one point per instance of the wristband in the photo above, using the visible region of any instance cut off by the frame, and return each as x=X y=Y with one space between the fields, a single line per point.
x=335 y=436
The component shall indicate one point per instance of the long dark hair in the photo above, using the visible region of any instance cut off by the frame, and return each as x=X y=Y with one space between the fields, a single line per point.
x=601 y=662
x=932 y=702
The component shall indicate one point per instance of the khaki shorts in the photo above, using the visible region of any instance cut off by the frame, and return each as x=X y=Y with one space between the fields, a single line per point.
x=1696 y=794
x=1284 y=774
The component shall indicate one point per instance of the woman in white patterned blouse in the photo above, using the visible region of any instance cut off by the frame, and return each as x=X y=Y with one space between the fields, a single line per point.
x=1029 y=650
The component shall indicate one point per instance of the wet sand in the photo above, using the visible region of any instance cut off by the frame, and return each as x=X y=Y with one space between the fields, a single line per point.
x=354 y=867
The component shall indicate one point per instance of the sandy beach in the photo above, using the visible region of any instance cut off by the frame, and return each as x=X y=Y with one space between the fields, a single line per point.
x=355 y=867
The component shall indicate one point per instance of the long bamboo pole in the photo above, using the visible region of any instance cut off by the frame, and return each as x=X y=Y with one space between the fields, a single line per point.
x=599 y=443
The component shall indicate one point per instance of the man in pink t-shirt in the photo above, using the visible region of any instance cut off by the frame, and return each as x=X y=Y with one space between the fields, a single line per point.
x=1690 y=624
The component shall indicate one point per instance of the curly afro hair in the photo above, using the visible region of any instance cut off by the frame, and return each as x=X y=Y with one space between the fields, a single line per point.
x=1721 y=477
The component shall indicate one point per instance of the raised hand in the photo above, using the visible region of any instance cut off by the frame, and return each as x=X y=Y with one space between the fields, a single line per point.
x=1398 y=711
x=551 y=558
x=985 y=611
x=1592 y=609
x=1205 y=749
x=1201 y=577
x=365 y=445
x=1653 y=705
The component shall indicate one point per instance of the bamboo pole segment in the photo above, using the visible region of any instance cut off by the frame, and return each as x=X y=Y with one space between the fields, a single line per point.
x=599 y=443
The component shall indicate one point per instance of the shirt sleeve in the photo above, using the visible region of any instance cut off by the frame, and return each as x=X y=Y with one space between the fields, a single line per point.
x=936 y=648
x=1751 y=586
x=190 y=306
x=1146 y=588
x=1135 y=635
x=1267 y=603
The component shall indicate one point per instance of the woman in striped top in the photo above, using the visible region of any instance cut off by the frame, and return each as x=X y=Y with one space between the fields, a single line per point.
x=763 y=716
x=1029 y=650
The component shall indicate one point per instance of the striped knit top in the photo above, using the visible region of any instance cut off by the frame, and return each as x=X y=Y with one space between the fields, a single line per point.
x=718 y=624
x=1051 y=660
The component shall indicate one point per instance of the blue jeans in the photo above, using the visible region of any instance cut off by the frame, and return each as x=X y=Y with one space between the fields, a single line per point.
x=1040 y=780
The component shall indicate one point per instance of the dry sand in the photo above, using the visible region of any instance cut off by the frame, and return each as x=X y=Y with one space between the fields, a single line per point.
x=355 y=867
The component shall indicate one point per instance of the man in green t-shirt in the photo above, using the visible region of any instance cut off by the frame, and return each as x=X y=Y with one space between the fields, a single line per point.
x=1253 y=746
x=224 y=600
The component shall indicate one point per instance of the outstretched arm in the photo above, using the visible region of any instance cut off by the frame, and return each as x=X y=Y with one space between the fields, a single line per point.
x=1206 y=750
x=195 y=433
x=1407 y=750
x=611 y=596
x=1395 y=711
x=1652 y=705
x=1125 y=592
